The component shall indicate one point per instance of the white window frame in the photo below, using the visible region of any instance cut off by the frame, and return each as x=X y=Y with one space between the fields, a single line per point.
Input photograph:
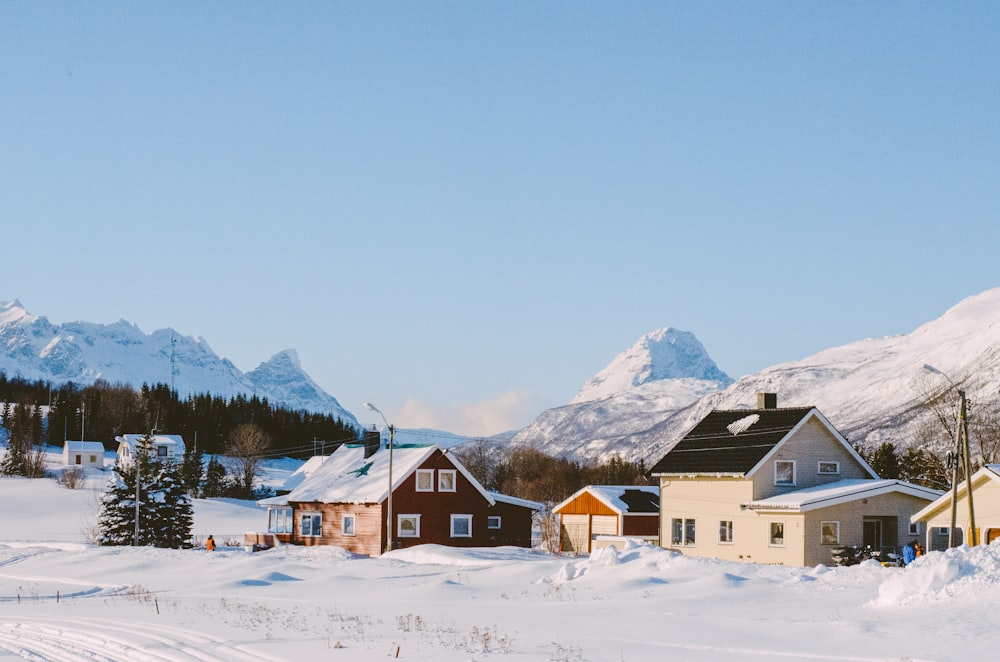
x=726 y=532
x=835 y=471
x=279 y=520
x=679 y=536
x=777 y=473
x=442 y=474
x=455 y=518
x=914 y=528
x=771 y=538
x=400 y=533
x=315 y=522
x=349 y=529
x=494 y=522
x=425 y=475
x=836 y=532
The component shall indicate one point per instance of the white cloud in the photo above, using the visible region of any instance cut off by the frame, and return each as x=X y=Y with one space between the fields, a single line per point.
x=508 y=411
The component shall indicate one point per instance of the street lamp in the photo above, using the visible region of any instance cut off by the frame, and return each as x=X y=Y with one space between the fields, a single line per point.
x=388 y=520
x=961 y=450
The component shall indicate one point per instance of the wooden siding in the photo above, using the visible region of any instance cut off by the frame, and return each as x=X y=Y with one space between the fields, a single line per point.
x=586 y=504
x=435 y=509
x=807 y=447
x=986 y=501
x=641 y=525
x=574 y=533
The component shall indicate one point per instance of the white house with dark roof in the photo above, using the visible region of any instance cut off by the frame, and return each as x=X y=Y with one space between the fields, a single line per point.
x=777 y=485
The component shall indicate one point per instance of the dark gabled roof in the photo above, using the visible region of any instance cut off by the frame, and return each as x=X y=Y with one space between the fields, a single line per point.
x=730 y=441
x=641 y=501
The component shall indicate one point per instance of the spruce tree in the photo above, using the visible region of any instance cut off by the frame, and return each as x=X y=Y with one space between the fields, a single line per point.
x=192 y=470
x=164 y=510
x=172 y=510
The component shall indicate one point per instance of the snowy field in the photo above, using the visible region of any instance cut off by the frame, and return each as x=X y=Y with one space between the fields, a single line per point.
x=62 y=598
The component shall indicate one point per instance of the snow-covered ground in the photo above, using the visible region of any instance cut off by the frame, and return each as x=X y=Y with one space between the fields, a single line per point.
x=62 y=598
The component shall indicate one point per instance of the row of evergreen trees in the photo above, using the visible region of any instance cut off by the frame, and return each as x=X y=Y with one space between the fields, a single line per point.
x=102 y=411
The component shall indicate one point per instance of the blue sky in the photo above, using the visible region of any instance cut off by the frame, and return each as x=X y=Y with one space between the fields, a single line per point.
x=462 y=211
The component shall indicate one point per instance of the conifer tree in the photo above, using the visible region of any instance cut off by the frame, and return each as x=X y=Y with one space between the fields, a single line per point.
x=163 y=509
x=215 y=479
x=171 y=507
x=192 y=470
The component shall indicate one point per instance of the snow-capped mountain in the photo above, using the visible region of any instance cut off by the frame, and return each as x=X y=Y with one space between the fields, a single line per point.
x=872 y=390
x=31 y=347
x=663 y=372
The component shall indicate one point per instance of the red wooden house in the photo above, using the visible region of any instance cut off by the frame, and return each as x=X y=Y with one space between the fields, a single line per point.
x=344 y=502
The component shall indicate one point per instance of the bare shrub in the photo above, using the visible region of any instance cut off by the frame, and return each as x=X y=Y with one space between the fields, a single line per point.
x=72 y=478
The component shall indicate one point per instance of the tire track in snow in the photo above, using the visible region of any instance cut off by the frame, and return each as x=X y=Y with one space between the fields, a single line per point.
x=58 y=640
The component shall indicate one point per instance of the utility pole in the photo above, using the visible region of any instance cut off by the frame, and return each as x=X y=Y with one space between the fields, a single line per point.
x=964 y=423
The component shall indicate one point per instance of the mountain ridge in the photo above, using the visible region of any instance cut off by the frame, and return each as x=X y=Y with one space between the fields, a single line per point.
x=83 y=352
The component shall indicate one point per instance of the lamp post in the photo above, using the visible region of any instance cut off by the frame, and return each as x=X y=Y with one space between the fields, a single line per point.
x=961 y=451
x=388 y=505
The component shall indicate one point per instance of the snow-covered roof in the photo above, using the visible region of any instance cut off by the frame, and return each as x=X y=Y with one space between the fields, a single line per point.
x=514 y=501
x=621 y=498
x=347 y=476
x=841 y=491
x=174 y=441
x=85 y=446
x=987 y=472
x=306 y=469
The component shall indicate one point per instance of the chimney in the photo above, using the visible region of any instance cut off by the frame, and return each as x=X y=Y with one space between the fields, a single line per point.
x=373 y=441
x=767 y=401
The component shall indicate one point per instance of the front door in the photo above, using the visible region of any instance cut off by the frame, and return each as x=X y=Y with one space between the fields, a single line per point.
x=872 y=533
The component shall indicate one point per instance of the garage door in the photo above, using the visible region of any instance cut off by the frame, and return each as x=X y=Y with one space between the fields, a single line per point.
x=604 y=525
x=574 y=535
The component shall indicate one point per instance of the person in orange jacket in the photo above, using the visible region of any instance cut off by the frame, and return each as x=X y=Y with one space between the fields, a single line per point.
x=210 y=544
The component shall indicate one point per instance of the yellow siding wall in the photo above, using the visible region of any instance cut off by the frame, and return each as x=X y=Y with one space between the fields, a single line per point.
x=985 y=501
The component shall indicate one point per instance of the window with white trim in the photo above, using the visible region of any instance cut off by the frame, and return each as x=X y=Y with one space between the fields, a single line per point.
x=493 y=522
x=425 y=480
x=461 y=526
x=829 y=533
x=914 y=528
x=408 y=526
x=784 y=472
x=447 y=480
x=726 y=531
x=347 y=525
x=311 y=525
x=279 y=520
x=777 y=536
x=682 y=531
x=828 y=468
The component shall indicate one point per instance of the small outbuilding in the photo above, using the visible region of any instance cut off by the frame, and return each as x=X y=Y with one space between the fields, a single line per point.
x=84 y=454
x=934 y=521
x=599 y=515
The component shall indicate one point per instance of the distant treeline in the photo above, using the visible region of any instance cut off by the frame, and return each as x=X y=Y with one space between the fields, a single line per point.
x=102 y=411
